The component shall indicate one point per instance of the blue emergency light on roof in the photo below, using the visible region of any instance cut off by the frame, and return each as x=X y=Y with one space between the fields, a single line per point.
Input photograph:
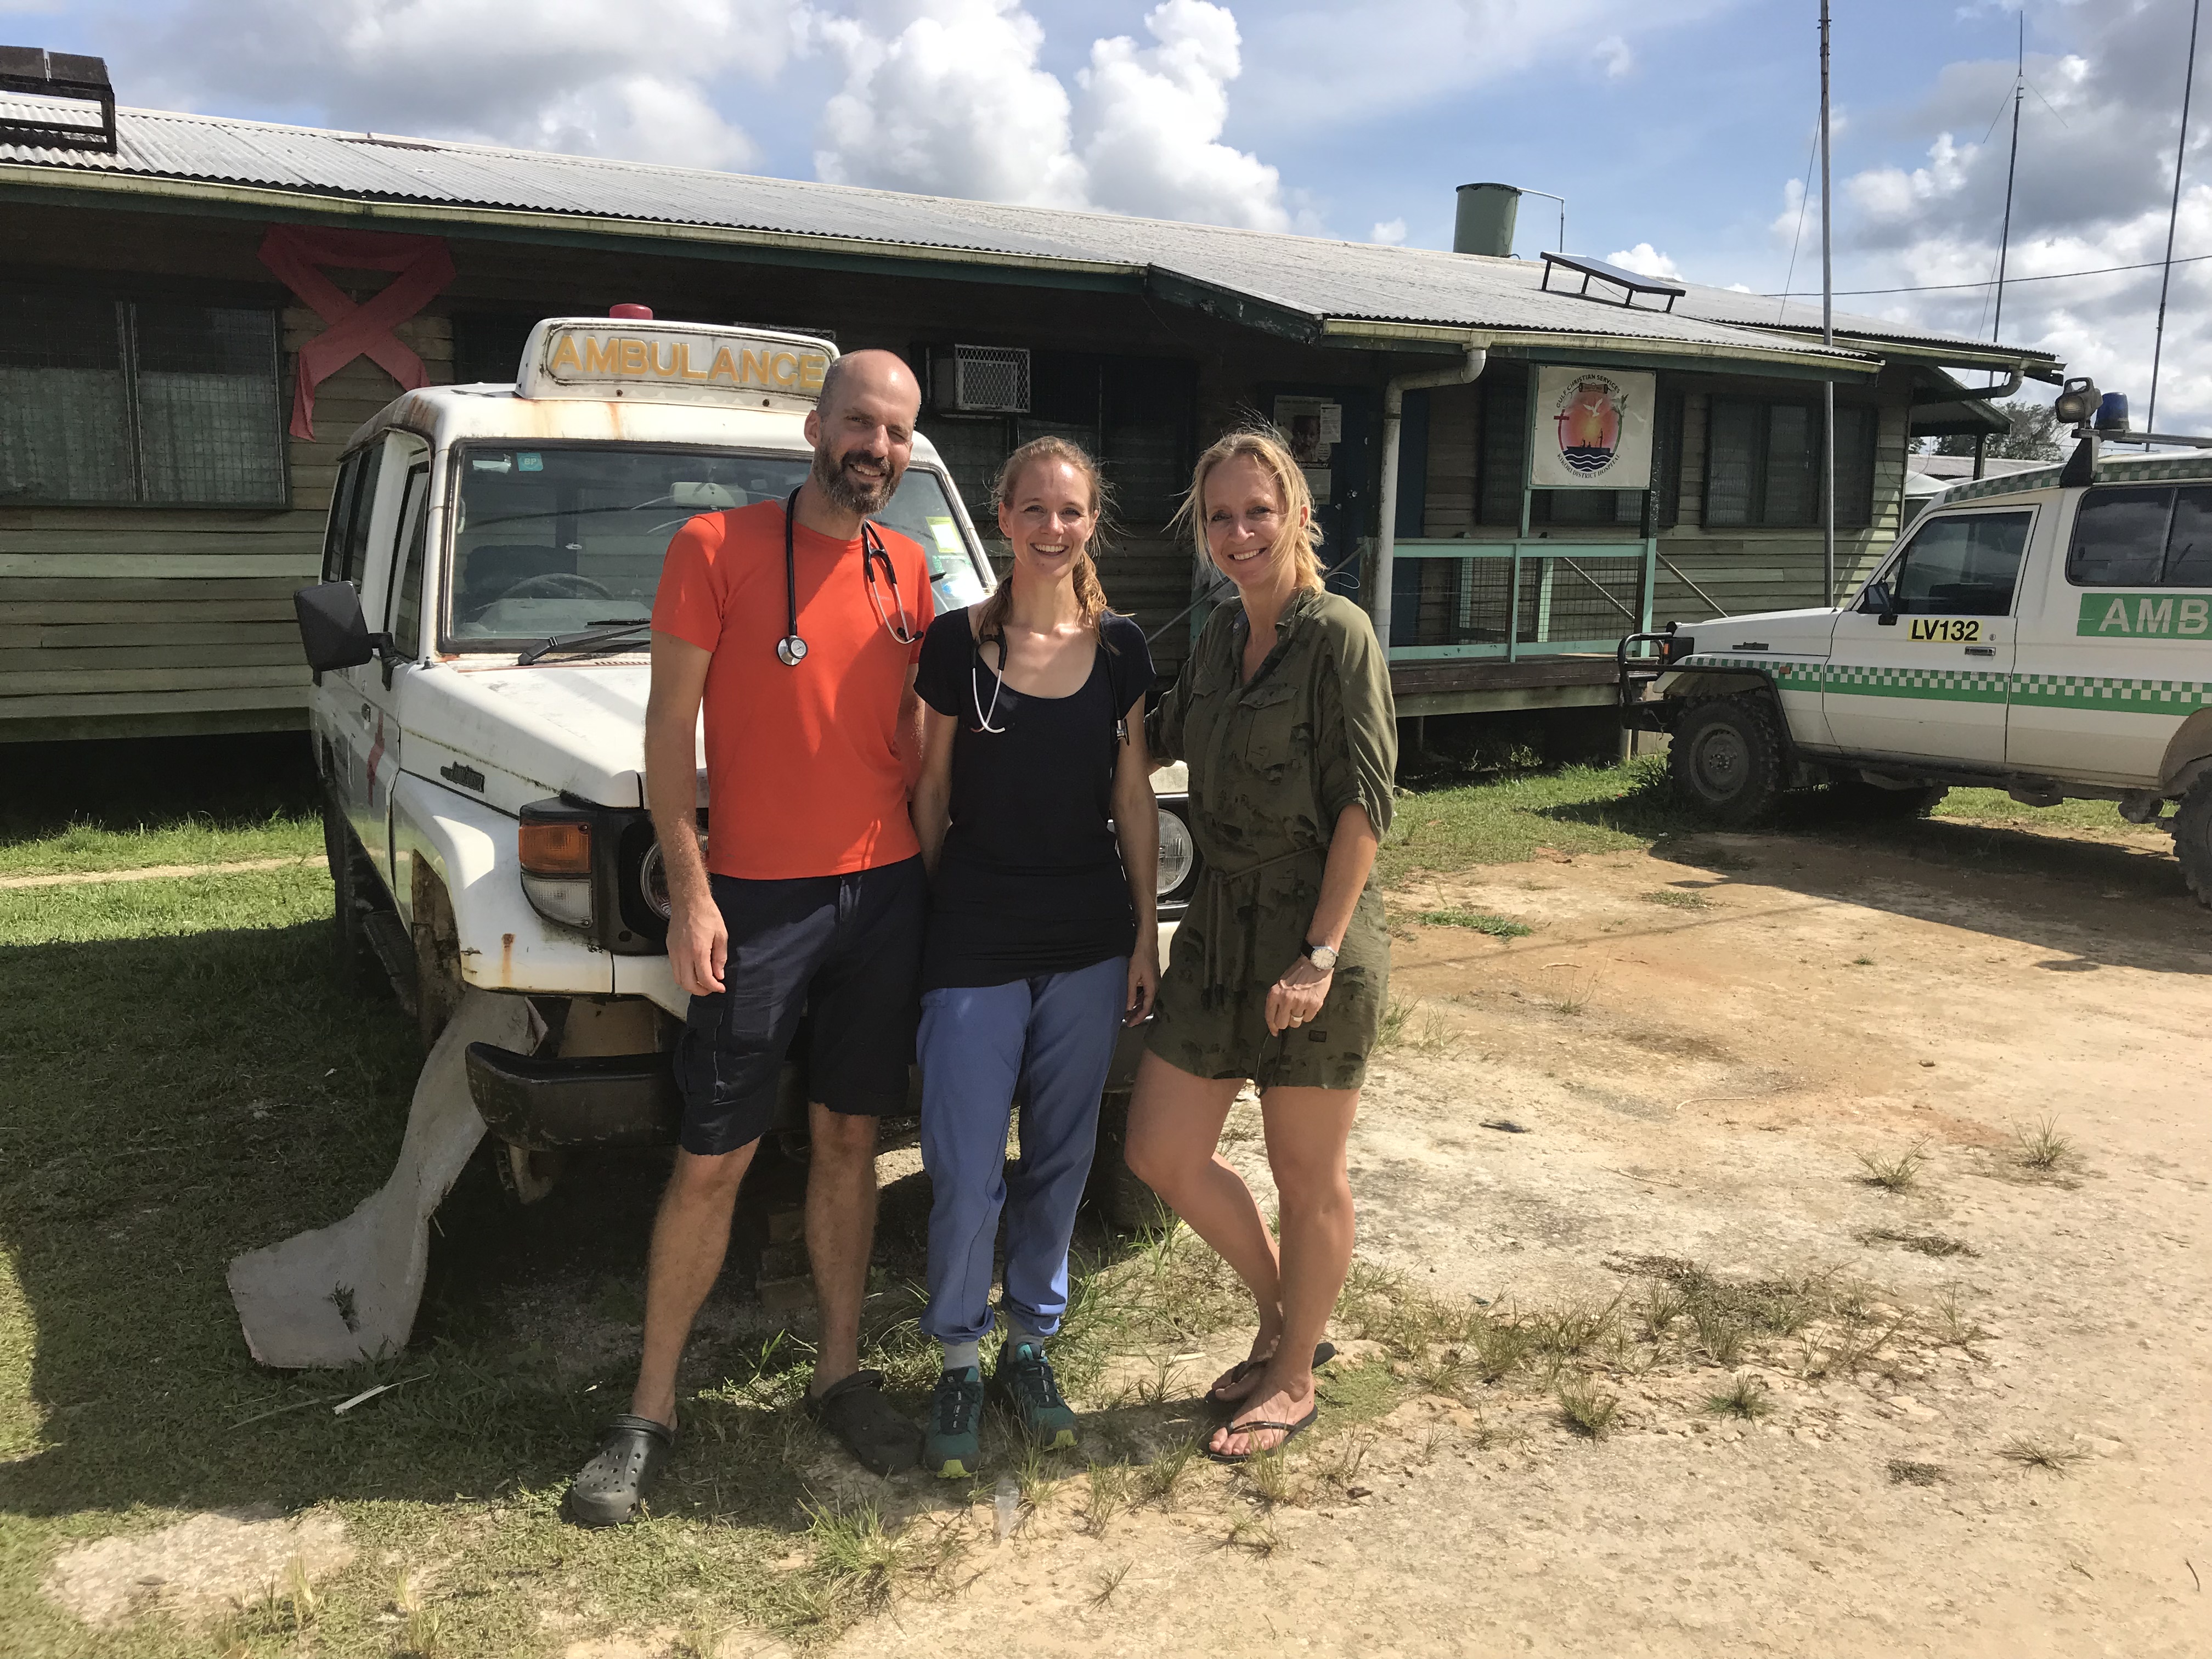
x=2112 y=412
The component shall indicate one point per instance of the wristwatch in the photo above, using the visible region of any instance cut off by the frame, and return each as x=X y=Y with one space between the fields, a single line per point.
x=1322 y=956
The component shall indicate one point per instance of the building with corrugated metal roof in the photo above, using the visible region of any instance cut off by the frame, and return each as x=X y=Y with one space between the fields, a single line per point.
x=162 y=489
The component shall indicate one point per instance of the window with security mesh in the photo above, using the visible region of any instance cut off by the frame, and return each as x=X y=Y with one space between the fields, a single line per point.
x=1763 y=465
x=154 y=402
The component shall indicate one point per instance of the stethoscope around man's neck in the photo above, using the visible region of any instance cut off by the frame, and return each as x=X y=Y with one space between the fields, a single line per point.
x=791 y=649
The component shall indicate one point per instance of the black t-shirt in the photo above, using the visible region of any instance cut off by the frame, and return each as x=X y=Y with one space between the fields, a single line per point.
x=1030 y=878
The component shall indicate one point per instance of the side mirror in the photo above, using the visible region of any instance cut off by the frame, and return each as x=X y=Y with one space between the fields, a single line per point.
x=1876 y=600
x=331 y=630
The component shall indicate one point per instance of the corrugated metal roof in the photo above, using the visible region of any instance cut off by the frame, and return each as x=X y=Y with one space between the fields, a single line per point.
x=1307 y=277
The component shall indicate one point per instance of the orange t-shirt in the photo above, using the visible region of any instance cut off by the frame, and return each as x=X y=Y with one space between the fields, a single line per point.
x=803 y=775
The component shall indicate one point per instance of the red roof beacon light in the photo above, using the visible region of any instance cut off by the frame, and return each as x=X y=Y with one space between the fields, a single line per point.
x=631 y=312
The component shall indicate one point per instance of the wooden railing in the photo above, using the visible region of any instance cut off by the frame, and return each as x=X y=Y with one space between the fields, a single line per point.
x=1512 y=599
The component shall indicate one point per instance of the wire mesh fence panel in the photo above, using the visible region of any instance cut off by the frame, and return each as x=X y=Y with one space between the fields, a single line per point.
x=1486 y=614
x=1580 y=597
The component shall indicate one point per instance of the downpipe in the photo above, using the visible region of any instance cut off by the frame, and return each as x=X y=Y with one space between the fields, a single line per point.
x=1393 y=411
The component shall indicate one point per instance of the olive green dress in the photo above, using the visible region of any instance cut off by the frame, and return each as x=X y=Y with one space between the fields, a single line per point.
x=1272 y=763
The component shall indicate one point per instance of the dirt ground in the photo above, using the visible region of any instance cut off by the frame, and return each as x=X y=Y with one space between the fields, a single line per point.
x=1695 y=1051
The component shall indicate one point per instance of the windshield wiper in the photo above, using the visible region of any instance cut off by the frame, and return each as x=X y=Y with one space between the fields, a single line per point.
x=589 y=637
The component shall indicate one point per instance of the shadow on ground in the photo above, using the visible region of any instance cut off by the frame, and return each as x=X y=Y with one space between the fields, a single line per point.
x=177 y=1100
x=2100 y=902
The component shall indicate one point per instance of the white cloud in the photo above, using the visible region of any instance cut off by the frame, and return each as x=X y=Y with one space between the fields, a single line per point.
x=2091 y=194
x=1392 y=231
x=1153 y=119
x=1613 y=57
x=949 y=96
x=946 y=97
x=1341 y=63
x=584 y=76
x=1645 y=260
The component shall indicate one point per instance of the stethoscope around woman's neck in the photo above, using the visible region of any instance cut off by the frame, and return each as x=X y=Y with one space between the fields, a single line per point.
x=791 y=649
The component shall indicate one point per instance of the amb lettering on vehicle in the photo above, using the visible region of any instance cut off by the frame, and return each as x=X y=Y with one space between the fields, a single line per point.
x=1948 y=630
x=2145 y=616
x=580 y=358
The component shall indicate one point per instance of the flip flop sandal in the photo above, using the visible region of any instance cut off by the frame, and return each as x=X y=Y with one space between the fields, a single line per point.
x=855 y=1411
x=1225 y=1406
x=611 y=1488
x=1289 y=1431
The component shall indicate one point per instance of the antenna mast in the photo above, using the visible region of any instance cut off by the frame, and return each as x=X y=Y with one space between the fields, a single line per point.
x=2004 y=236
x=2173 y=216
x=1827 y=338
x=2012 y=170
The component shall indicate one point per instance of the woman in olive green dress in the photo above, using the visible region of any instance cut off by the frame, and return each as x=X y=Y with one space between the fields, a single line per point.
x=1278 y=971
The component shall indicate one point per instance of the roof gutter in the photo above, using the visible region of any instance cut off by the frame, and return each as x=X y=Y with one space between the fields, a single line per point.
x=1393 y=408
x=2030 y=365
x=1385 y=336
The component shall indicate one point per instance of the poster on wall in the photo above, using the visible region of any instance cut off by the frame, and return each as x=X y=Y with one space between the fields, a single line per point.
x=1315 y=426
x=1591 y=428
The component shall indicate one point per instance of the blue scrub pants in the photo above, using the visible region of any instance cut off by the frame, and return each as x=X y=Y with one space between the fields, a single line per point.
x=1051 y=1039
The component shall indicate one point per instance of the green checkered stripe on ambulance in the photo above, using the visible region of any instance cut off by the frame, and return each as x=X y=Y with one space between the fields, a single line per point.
x=2167 y=697
x=1937 y=684
x=1794 y=676
x=2119 y=697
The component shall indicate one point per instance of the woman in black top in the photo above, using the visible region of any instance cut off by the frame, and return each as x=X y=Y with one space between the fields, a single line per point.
x=1038 y=820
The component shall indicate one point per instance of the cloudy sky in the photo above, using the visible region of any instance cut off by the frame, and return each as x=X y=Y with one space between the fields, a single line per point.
x=1678 y=130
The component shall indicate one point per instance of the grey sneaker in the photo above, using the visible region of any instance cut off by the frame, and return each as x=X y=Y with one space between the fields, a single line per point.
x=1022 y=1386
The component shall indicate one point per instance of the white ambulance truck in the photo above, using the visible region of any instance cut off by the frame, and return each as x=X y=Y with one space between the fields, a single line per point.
x=2048 y=633
x=480 y=641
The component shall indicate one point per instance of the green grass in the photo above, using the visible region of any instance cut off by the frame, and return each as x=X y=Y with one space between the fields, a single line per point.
x=185 y=1081
x=1604 y=809
x=1995 y=806
x=1496 y=926
x=127 y=803
x=89 y=846
x=1578 y=809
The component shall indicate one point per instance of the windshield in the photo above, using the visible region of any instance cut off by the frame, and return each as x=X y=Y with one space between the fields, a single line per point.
x=563 y=538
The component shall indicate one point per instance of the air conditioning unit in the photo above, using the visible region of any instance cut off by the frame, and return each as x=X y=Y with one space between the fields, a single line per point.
x=973 y=380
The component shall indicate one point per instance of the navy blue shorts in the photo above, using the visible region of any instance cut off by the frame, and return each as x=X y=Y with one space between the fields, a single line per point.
x=848 y=949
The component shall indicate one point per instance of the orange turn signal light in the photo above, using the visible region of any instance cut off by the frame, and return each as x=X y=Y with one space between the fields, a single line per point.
x=556 y=847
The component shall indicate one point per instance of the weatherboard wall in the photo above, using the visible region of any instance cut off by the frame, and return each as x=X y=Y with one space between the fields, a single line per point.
x=1742 y=571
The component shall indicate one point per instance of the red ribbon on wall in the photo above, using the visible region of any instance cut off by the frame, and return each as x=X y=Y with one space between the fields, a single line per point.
x=423 y=268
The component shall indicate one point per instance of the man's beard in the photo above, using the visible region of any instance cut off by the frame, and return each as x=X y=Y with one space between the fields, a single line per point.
x=844 y=489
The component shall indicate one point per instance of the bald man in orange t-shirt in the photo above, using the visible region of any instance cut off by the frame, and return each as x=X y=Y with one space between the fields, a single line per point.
x=812 y=892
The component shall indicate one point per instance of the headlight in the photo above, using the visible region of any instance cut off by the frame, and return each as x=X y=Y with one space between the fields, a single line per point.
x=1178 y=854
x=554 y=846
x=652 y=882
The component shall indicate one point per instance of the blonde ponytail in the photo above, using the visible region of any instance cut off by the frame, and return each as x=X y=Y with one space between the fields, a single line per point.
x=1090 y=592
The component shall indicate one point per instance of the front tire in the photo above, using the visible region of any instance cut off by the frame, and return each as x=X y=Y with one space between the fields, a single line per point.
x=2192 y=838
x=348 y=943
x=1726 y=759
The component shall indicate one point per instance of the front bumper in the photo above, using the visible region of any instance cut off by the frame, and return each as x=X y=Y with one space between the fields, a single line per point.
x=605 y=1100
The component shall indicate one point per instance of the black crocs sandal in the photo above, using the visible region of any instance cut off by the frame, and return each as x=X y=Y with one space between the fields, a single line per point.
x=855 y=1411
x=1289 y=1431
x=611 y=1488
x=1225 y=1406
